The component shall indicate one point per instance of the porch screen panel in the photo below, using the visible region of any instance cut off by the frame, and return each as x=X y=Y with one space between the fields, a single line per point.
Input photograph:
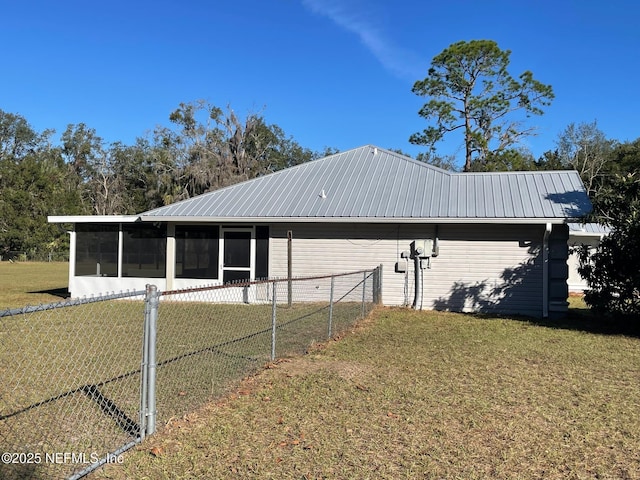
x=262 y=252
x=197 y=251
x=237 y=249
x=144 y=251
x=96 y=250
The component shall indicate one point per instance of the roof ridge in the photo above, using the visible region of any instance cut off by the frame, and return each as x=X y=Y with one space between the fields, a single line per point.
x=514 y=172
x=410 y=159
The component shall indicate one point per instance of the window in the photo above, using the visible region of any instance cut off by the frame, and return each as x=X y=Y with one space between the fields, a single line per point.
x=144 y=250
x=197 y=251
x=97 y=250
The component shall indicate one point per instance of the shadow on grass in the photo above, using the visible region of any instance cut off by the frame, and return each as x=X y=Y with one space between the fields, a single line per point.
x=585 y=320
x=56 y=292
x=580 y=320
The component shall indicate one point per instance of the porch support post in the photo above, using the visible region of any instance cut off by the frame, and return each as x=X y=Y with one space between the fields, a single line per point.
x=545 y=271
x=171 y=255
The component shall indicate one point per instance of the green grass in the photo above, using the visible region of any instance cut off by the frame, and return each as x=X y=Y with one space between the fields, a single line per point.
x=32 y=283
x=419 y=395
x=53 y=359
x=404 y=395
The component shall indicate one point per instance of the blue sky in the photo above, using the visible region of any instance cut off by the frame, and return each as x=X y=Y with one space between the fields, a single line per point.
x=328 y=72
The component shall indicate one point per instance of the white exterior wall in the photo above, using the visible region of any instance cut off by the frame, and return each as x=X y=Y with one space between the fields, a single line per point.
x=494 y=268
x=577 y=284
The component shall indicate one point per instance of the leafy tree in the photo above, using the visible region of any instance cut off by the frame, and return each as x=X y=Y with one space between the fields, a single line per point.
x=137 y=169
x=211 y=148
x=33 y=184
x=623 y=158
x=17 y=137
x=284 y=152
x=612 y=272
x=206 y=148
x=470 y=89
x=504 y=160
x=550 y=160
x=82 y=151
x=585 y=148
x=447 y=162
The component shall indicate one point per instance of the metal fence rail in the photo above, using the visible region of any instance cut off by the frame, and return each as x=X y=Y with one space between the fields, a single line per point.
x=83 y=381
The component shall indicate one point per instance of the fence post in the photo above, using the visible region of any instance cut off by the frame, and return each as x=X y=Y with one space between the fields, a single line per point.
x=273 y=323
x=331 y=307
x=364 y=291
x=144 y=367
x=374 y=287
x=377 y=285
x=153 y=301
x=289 y=269
x=380 y=272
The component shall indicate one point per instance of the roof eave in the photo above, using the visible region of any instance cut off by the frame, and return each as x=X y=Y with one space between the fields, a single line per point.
x=93 y=218
x=440 y=220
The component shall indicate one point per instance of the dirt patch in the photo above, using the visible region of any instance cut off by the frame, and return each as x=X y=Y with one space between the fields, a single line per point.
x=352 y=371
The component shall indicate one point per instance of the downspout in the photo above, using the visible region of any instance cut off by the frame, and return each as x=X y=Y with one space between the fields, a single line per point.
x=545 y=271
x=417 y=268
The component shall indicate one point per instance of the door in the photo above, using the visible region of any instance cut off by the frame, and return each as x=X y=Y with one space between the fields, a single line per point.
x=237 y=252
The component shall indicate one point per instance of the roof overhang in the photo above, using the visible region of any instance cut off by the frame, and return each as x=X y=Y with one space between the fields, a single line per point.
x=573 y=233
x=244 y=220
x=93 y=218
x=381 y=220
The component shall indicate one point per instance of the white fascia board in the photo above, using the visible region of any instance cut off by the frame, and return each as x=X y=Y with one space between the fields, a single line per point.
x=92 y=218
x=245 y=220
x=586 y=234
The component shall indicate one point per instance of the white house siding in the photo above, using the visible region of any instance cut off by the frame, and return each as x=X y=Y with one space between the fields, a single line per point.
x=494 y=268
x=577 y=284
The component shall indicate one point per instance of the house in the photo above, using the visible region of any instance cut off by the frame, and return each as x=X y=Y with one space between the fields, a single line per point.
x=474 y=242
x=589 y=235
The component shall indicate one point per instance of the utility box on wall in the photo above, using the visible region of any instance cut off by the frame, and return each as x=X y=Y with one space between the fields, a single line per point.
x=422 y=248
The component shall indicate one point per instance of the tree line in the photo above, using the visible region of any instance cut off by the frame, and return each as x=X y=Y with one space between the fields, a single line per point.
x=204 y=148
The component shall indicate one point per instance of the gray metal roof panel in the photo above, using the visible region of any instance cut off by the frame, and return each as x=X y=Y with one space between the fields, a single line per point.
x=588 y=229
x=369 y=182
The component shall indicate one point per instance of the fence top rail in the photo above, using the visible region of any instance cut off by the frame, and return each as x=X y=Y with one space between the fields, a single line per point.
x=68 y=303
x=260 y=282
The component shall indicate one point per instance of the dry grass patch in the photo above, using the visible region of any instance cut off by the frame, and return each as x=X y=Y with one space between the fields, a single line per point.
x=420 y=395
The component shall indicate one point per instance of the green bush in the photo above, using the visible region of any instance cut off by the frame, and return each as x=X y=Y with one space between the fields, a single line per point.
x=612 y=272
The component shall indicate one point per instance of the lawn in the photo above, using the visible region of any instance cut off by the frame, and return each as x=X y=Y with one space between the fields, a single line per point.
x=32 y=283
x=71 y=376
x=404 y=394
x=419 y=395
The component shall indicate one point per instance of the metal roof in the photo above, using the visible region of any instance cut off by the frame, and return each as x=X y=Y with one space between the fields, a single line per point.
x=369 y=183
x=376 y=185
x=588 y=229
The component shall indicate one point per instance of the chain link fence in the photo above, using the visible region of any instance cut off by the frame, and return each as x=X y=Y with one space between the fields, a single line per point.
x=34 y=256
x=83 y=381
